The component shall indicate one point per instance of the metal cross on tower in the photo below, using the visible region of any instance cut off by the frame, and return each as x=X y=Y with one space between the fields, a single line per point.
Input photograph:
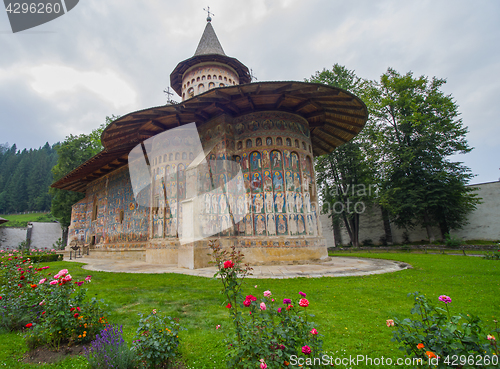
x=168 y=93
x=209 y=18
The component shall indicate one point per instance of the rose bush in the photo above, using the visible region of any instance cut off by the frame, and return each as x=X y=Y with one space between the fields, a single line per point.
x=266 y=332
x=435 y=333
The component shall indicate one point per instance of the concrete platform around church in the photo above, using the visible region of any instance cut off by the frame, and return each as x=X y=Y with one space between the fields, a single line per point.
x=330 y=267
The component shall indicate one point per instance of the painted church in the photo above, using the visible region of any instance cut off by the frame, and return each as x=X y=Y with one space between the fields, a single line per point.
x=232 y=161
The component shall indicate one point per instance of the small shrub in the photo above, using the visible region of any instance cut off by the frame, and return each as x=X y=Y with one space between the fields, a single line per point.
x=436 y=333
x=156 y=340
x=383 y=240
x=367 y=242
x=492 y=256
x=452 y=242
x=109 y=350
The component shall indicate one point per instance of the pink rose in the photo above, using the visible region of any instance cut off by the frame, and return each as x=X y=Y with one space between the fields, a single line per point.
x=306 y=350
x=42 y=281
x=53 y=282
x=304 y=303
x=389 y=322
x=267 y=293
x=263 y=306
x=314 y=331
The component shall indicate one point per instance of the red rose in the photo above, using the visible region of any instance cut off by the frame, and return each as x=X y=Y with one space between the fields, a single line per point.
x=304 y=303
x=251 y=298
x=29 y=325
x=0 y=297
x=71 y=309
x=289 y=307
x=76 y=315
x=21 y=277
x=229 y=306
x=247 y=302
x=228 y=264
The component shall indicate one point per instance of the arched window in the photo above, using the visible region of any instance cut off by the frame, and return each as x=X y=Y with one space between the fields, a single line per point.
x=203 y=78
x=269 y=141
x=198 y=79
x=177 y=156
x=188 y=83
x=303 y=146
x=184 y=155
x=221 y=84
x=220 y=78
x=258 y=141
x=239 y=145
x=297 y=145
x=209 y=77
x=192 y=81
x=201 y=88
x=279 y=141
x=230 y=80
x=171 y=157
x=288 y=142
x=191 y=92
x=211 y=85
x=249 y=143
x=225 y=79
x=215 y=77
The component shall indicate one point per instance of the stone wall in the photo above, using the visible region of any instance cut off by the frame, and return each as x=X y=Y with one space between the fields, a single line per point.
x=45 y=235
x=484 y=222
x=10 y=238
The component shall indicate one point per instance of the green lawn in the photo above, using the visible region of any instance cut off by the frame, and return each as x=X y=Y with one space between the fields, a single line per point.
x=21 y=220
x=350 y=311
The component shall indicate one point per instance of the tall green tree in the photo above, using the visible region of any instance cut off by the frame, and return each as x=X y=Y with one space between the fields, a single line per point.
x=419 y=128
x=344 y=177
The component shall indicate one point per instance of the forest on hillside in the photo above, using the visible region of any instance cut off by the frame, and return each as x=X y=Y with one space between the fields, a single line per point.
x=25 y=178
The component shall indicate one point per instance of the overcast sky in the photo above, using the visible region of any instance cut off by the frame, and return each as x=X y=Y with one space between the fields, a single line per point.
x=115 y=57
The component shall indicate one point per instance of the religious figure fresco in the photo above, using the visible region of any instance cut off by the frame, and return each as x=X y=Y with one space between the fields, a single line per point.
x=279 y=202
x=275 y=159
x=256 y=182
x=269 y=141
x=255 y=161
x=248 y=143
x=289 y=180
x=301 y=228
x=298 y=202
x=239 y=145
x=296 y=181
x=268 y=182
x=286 y=156
x=269 y=202
x=292 y=224
x=279 y=141
x=258 y=142
x=271 y=225
x=248 y=225
x=295 y=161
x=290 y=202
x=278 y=181
x=240 y=129
x=253 y=126
x=244 y=161
x=258 y=203
x=281 y=221
x=246 y=180
x=260 y=225
x=265 y=159
x=280 y=125
x=267 y=124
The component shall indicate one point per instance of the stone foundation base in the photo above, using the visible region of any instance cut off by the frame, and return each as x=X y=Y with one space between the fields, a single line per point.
x=197 y=254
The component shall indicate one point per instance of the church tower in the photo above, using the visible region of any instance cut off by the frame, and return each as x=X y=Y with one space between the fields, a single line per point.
x=208 y=68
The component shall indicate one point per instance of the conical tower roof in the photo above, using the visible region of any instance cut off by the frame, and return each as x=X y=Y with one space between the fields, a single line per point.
x=209 y=50
x=209 y=43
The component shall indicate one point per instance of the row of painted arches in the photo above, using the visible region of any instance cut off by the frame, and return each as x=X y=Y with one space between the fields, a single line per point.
x=193 y=81
x=270 y=142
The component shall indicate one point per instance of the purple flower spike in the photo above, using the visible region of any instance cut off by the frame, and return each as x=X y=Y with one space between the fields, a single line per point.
x=445 y=299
